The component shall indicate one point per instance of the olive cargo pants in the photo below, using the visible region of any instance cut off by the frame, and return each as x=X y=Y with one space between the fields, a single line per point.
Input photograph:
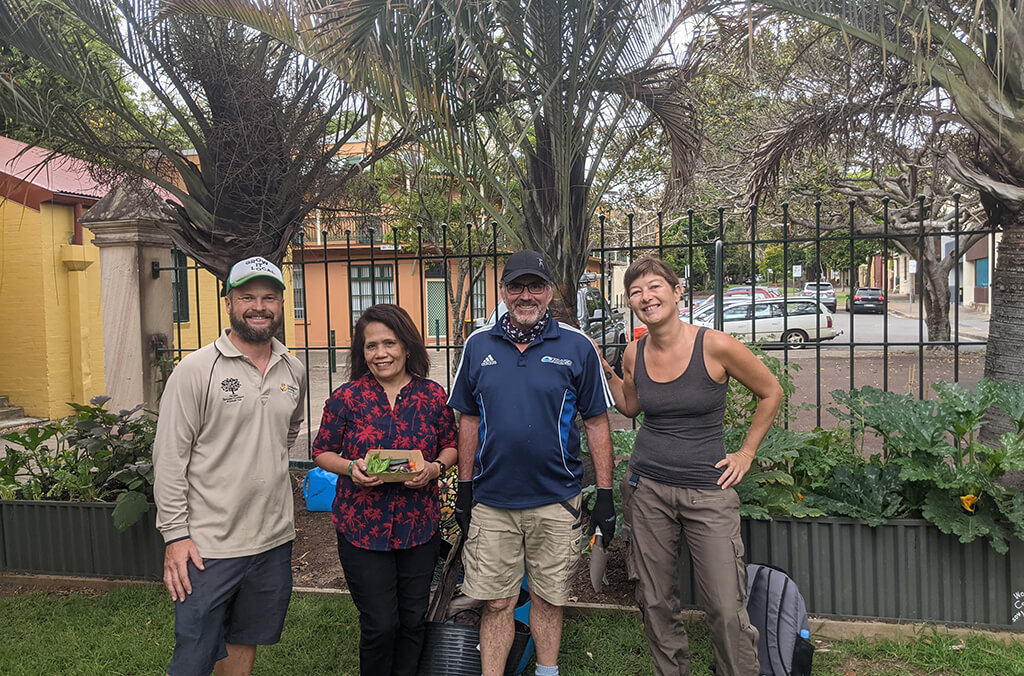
x=657 y=517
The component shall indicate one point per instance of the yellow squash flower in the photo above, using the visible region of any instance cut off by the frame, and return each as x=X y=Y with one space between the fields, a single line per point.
x=968 y=502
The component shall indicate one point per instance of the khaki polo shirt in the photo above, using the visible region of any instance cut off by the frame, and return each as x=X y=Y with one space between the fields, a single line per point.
x=221 y=450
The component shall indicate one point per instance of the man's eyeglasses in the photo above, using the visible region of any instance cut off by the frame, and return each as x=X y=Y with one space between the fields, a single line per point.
x=516 y=288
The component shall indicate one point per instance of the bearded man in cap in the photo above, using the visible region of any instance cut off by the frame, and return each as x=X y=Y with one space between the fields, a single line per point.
x=228 y=415
x=520 y=385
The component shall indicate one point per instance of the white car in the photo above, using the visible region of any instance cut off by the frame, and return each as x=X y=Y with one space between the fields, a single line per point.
x=794 y=321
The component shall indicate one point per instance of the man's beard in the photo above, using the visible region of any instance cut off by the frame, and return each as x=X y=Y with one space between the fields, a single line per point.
x=537 y=312
x=255 y=336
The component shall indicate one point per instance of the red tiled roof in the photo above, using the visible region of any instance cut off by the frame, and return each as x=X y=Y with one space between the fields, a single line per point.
x=24 y=177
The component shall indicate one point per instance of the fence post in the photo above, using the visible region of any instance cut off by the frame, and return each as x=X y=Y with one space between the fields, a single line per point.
x=137 y=320
x=719 y=284
x=332 y=353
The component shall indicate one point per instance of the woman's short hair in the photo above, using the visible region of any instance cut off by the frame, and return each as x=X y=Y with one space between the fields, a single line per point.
x=398 y=320
x=649 y=265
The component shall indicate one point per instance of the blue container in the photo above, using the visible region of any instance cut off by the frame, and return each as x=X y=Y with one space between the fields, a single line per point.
x=319 y=488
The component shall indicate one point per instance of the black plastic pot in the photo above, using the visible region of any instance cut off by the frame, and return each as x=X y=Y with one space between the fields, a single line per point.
x=451 y=649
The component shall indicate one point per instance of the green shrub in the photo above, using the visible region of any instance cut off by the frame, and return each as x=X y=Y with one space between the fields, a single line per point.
x=788 y=467
x=948 y=476
x=92 y=456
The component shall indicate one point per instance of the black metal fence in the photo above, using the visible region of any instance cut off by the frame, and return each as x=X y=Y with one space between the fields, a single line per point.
x=892 y=351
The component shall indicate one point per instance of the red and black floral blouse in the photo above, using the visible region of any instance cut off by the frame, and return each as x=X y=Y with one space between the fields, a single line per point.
x=357 y=419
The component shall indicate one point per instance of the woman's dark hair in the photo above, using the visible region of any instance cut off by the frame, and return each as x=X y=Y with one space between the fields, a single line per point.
x=417 y=364
x=649 y=265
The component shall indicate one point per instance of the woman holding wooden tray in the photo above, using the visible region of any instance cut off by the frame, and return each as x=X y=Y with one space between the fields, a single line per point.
x=388 y=539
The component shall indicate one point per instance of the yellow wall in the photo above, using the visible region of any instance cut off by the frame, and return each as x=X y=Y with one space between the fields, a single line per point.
x=51 y=338
x=51 y=335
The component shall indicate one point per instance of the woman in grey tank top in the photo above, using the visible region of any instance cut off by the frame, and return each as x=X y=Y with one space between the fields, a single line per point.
x=680 y=480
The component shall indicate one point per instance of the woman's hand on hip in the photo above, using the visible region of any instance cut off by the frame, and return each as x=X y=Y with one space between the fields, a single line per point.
x=735 y=465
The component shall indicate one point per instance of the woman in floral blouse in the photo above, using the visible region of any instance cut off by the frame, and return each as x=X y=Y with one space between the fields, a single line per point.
x=388 y=539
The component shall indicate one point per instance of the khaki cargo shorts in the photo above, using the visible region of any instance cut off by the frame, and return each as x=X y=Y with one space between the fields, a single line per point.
x=548 y=539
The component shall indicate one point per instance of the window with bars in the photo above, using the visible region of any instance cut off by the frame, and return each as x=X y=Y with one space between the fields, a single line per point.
x=366 y=289
x=179 y=286
x=437 y=308
x=479 y=298
x=299 y=290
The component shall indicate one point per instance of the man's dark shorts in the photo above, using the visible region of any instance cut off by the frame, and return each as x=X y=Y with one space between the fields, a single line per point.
x=241 y=601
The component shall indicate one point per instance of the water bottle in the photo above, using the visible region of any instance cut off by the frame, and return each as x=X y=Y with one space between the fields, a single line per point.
x=803 y=654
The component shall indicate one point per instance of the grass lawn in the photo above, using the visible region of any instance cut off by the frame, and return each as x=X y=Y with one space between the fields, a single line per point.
x=131 y=631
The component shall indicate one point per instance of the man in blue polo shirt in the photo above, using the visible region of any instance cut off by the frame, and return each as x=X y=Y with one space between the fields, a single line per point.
x=519 y=386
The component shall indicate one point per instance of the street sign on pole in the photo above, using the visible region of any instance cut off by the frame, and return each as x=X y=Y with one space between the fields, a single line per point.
x=912 y=269
x=798 y=271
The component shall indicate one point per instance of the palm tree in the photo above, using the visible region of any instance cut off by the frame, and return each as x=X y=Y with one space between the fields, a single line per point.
x=522 y=97
x=883 y=137
x=239 y=130
x=975 y=52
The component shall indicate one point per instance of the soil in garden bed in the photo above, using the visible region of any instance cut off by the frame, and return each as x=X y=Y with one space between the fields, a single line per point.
x=315 y=560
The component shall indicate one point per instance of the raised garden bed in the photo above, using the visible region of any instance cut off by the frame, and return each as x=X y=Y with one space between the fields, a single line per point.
x=76 y=538
x=903 y=570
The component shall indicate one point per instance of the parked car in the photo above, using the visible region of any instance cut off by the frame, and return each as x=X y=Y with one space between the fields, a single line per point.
x=866 y=300
x=597 y=319
x=731 y=294
x=823 y=292
x=759 y=290
x=794 y=320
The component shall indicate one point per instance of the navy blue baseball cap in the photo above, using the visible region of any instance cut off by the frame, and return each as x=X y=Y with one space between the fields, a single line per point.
x=526 y=263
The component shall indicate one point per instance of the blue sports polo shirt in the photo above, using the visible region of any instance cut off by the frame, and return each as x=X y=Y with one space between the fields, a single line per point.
x=529 y=445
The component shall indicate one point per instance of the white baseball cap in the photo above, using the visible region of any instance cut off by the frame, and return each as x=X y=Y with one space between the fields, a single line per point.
x=249 y=269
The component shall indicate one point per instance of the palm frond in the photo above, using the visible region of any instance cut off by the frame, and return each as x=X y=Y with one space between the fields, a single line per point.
x=241 y=129
x=520 y=97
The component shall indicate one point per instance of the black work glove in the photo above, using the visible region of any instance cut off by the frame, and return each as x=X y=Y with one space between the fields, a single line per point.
x=464 y=506
x=602 y=515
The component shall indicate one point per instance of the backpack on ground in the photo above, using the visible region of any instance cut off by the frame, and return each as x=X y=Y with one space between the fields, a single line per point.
x=776 y=608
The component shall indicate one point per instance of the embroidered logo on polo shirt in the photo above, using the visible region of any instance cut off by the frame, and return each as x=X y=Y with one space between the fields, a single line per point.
x=489 y=361
x=546 y=359
x=290 y=389
x=231 y=386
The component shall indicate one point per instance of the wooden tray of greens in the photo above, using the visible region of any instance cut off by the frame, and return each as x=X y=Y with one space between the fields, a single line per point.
x=394 y=464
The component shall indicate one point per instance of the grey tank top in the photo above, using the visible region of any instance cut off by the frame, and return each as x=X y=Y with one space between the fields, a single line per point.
x=680 y=440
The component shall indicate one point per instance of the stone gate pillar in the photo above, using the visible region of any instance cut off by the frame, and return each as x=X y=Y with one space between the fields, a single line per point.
x=136 y=305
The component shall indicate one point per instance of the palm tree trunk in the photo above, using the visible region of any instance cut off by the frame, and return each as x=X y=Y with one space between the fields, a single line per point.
x=1004 y=358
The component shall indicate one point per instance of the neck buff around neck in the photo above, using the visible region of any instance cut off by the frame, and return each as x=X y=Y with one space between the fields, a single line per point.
x=518 y=335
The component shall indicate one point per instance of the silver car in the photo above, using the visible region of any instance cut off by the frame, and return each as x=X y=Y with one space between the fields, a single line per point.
x=823 y=292
x=794 y=321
